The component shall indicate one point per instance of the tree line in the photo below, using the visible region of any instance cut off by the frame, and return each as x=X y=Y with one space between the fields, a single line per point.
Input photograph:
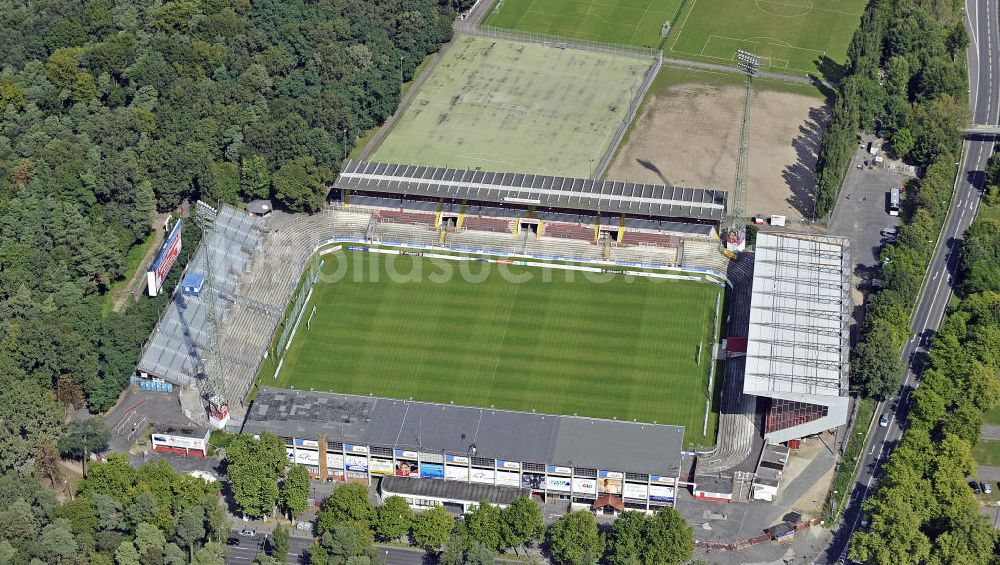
x=905 y=76
x=908 y=70
x=923 y=510
x=120 y=515
x=110 y=111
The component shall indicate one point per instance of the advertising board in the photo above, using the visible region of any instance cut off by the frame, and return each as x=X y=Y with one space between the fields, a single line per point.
x=661 y=493
x=454 y=473
x=532 y=480
x=179 y=441
x=561 y=484
x=635 y=490
x=407 y=468
x=380 y=466
x=334 y=460
x=508 y=478
x=164 y=260
x=584 y=486
x=356 y=463
x=432 y=470
x=457 y=459
x=307 y=457
x=557 y=470
x=486 y=476
x=306 y=443
x=610 y=482
x=509 y=464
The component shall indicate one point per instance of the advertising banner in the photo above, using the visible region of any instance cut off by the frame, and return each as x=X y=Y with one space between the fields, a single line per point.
x=662 y=480
x=509 y=464
x=661 y=493
x=532 y=480
x=584 y=486
x=607 y=483
x=509 y=478
x=291 y=454
x=179 y=441
x=486 y=476
x=459 y=459
x=307 y=457
x=454 y=473
x=634 y=490
x=557 y=470
x=335 y=460
x=356 y=463
x=561 y=484
x=402 y=453
x=165 y=259
x=306 y=443
x=380 y=466
x=355 y=448
x=407 y=468
x=432 y=470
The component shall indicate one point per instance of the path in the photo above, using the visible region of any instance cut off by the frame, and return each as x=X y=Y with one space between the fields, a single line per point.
x=140 y=269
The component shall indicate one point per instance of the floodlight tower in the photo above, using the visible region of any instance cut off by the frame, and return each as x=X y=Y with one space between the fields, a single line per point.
x=737 y=237
x=210 y=382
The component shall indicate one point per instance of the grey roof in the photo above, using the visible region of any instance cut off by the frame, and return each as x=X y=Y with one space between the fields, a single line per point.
x=260 y=207
x=444 y=428
x=174 y=349
x=799 y=313
x=188 y=429
x=536 y=190
x=455 y=490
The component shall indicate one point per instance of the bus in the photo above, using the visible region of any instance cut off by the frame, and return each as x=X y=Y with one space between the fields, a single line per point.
x=894 y=202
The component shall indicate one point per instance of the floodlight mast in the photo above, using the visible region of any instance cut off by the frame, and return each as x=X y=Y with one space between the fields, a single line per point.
x=210 y=382
x=737 y=236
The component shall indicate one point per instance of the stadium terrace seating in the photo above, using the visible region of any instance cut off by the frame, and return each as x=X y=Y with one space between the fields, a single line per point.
x=422 y=234
x=485 y=223
x=653 y=256
x=568 y=231
x=650 y=239
x=405 y=217
x=703 y=254
x=783 y=414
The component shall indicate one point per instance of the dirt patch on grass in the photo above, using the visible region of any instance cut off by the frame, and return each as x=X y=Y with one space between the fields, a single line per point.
x=689 y=135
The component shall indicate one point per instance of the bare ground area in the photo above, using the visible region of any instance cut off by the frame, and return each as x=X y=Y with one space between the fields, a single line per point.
x=689 y=134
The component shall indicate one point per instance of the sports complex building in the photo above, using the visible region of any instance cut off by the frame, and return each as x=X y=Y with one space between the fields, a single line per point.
x=794 y=349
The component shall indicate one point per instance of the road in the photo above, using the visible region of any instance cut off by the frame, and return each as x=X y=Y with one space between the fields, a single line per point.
x=984 y=99
x=250 y=547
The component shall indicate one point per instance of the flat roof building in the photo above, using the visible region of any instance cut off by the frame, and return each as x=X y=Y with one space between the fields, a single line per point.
x=797 y=347
x=557 y=456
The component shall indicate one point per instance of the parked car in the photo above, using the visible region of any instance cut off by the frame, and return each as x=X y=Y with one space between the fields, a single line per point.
x=884 y=420
x=248 y=532
x=987 y=489
x=890 y=232
x=974 y=486
x=233 y=541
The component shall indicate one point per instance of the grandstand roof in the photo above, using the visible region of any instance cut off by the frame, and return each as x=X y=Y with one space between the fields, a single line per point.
x=499 y=434
x=174 y=351
x=798 y=337
x=534 y=190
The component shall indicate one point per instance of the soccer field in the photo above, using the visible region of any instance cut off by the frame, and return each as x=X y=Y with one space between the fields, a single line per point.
x=792 y=36
x=625 y=22
x=505 y=106
x=515 y=337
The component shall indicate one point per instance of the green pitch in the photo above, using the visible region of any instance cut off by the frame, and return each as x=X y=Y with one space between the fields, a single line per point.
x=625 y=22
x=515 y=107
x=398 y=326
x=792 y=36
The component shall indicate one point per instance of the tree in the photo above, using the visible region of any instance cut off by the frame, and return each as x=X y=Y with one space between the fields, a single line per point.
x=279 y=544
x=126 y=554
x=28 y=415
x=84 y=437
x=393 y=518
x=574 y=540
x=213 y=553
x=348 y=503
x=149 y=538
x=254 y=179
x=522 y=523
x=669 y=538
x=483 y=524
x=295 y=491
x=254 y=467
x=299 y=184
x=47 y=462
x=432 y=528
x=626 y=542
x=876 y=364
x=57 y=541
x=191 y=527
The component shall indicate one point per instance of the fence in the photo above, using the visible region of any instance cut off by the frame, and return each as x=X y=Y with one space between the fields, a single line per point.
x=557 y=41
x=647 y=81
x=301 y=297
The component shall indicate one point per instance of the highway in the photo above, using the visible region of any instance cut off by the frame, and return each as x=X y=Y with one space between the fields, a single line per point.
x=984 y=99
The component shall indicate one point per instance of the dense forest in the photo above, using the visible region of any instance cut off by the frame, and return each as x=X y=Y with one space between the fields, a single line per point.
x=113 y=109
x=906 y=78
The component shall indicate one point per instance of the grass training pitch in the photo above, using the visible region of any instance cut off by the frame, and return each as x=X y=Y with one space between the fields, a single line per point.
x=624 y=22
x=516 y=107
x=561 y=342
x=792 y=36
